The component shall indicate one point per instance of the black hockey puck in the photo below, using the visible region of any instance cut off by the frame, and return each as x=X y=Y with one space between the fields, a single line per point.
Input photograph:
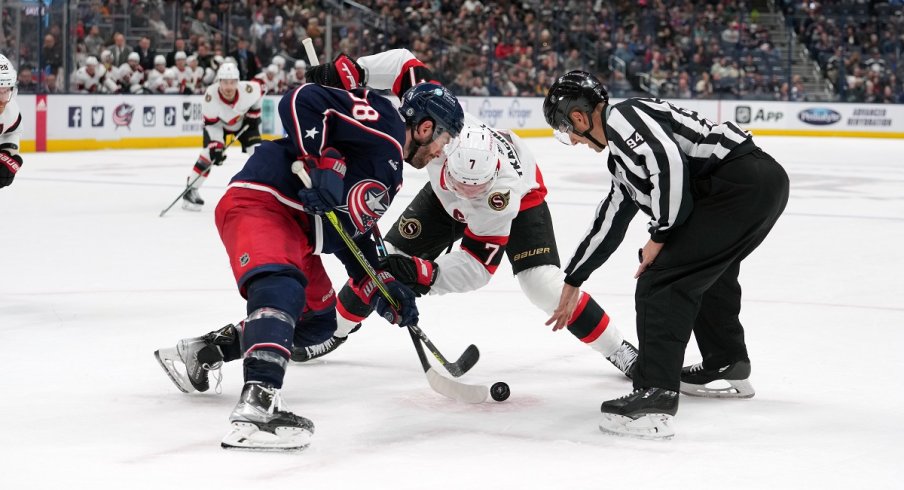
x=500 y=391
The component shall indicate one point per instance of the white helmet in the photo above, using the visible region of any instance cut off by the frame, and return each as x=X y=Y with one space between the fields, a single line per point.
x=180 y=55
x=91 y=61
x=472 y=163
x=228 y=71
x=159 y=60
x=8 y=76
x=169 y=74
x=300 y=64
x=279 y=61
x=106 y=56
x=133 y=56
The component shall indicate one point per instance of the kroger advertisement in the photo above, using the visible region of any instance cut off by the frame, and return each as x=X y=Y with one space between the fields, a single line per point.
x=85 y=122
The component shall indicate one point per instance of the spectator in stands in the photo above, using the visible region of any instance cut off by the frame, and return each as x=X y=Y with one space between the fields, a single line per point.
x=704 y=87
x=163 y=33
x=246 y=60
x=51 y=54
x=27 y=84
x=50 y=85
x=120 y=49
x=178 y=46
x=94 y=42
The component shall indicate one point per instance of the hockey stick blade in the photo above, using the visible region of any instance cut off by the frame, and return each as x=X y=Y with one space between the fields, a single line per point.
x=465 y=362
x=449 y=388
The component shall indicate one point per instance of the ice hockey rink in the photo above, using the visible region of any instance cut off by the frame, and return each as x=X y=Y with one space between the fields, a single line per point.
x=93 y=281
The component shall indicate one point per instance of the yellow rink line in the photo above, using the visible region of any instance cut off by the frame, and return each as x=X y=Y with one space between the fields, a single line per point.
x=195 y=141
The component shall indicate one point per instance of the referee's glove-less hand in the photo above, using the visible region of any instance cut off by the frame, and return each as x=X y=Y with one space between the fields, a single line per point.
x=327 y=181
x=406 y=314
x=343 y=72
x=416 y=273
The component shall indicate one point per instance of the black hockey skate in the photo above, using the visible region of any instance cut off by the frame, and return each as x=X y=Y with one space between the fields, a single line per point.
x=258 y=423
x=191 y=200
x=694 y=381
x=198 y=355
x=311 y=352
x=646 y=413
x=624 y=358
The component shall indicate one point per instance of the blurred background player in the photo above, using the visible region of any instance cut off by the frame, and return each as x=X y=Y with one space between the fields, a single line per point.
x=185 y=76
x=487 y=191
x=89 y=79
x=10 y=124
x=268 y=79
x=228 y=106
x=296 y=76
x=271 y=226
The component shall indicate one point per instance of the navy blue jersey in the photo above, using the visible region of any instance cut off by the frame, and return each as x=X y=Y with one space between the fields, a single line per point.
x=365 y=127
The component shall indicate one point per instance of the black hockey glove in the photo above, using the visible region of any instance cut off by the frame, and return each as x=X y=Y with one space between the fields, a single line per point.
x=252 y=123
x=216 y=153
x=405 y=315
x=342 y=72
x=9 y=165
x=327 y=173
x=416 y=273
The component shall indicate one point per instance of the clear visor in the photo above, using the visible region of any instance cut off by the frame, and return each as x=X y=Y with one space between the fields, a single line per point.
x=561 y=132
x=6 y=94
x=464 y=190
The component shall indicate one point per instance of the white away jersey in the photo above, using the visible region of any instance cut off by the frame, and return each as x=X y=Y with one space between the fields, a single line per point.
x=89 y=84
x=221 y=114
x=518 y=186
x=11 y=127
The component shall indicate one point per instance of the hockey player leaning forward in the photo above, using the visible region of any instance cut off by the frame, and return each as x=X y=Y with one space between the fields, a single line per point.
x=353 y=142
x=486 y=190
x=10 y=123
x=712 y=196
x=228 y=106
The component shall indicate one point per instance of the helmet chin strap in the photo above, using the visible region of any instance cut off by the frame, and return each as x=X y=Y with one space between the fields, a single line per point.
x=586 y=134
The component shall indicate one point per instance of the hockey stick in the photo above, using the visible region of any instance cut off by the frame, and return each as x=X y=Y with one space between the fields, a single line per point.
x=471 y=355
x=192 y=183
x=449 y=388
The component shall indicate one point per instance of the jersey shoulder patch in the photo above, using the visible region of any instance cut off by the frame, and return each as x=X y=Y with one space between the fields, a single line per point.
x=499 y=200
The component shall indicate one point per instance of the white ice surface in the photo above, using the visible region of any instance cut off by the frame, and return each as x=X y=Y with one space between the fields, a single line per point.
x=92 y=281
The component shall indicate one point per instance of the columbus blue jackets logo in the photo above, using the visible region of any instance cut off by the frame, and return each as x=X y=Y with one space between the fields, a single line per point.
x=367 y=201
x=122 y=115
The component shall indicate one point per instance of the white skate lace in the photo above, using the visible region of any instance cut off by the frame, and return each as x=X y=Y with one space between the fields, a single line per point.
x=636 y=390
x=623 y=358
x=696 y=367
x=275 y=400
x=217 y=373
x=323 y=347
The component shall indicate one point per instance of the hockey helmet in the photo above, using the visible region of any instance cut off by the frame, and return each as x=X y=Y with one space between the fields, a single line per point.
x=575 y=90
x=434 y=102
x=8 y=78
x=472 y=163
x=106 y=56
x=133 y=56
x=228 y=71
x=91 y=61
x=169 y=74
x=279 y=61
x=159 y=60
x=180 y=55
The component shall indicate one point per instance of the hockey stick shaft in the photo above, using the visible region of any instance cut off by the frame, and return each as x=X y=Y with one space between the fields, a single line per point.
x=194 y=180
x=471 y=354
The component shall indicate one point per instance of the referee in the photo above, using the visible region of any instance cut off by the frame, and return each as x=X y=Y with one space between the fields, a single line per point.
x=712 y=196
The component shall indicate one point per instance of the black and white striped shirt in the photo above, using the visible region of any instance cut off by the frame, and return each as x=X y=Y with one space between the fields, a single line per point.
x=655 y=150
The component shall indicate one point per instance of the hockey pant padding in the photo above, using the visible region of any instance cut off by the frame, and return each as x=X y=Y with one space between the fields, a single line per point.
x=590 y=324
x=275 y=302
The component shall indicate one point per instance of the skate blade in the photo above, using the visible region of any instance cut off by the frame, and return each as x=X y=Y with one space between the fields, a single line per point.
x=190 y=206
x=166 y=358
x=245 y=436
x=738 y=388
x=651 y=426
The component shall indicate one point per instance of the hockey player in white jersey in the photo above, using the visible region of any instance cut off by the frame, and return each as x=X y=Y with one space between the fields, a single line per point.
x=228 y=106
x=197 y=72
x=185 y=76
x=281 y=79
x=89 y=79
x=296 y=76
x=130 y=76
x=268 y=79
x=487 y=191
x=167 y=84
x=152 y=76
x=10 y=124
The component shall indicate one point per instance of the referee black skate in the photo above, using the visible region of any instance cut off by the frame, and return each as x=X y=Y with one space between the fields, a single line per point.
x=712 y=196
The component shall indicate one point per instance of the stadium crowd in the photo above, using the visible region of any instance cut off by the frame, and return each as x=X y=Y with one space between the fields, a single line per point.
x=668 y=48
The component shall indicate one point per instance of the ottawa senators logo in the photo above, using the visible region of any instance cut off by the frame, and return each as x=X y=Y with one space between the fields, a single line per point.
x=409 y=228
x=248 y=88
x=498 y=200
x=207 y=98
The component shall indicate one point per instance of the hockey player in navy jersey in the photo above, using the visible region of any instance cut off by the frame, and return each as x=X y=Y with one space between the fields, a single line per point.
x=352 y=143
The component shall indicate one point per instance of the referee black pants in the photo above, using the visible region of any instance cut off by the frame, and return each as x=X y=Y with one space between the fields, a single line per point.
x=693 y=284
